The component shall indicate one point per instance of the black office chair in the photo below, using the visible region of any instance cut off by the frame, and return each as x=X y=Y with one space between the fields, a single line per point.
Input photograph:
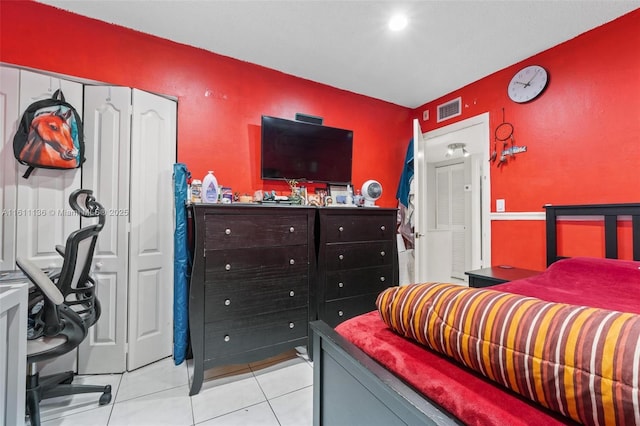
x=68 y=308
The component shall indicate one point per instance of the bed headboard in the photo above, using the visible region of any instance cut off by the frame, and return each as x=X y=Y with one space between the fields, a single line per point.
x=611 y=213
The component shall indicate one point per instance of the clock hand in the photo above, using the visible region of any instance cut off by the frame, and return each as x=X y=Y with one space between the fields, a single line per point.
x=531 y=79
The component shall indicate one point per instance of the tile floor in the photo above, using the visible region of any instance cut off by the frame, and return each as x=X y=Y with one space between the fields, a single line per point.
x=277 y=392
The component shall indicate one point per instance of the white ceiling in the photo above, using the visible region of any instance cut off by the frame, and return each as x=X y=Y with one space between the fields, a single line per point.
x=346 y=44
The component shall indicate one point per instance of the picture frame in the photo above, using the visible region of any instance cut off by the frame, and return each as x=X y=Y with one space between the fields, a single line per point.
x=339 y=193
x=322 y=194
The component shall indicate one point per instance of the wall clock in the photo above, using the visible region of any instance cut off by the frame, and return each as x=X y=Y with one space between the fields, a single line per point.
x=527 y=84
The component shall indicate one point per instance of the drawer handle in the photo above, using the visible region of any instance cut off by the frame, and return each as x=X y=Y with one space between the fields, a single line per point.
x=292 y=229
x=340 y=229
x=340 y=313
x=227 y=302
x=382 y=253
x=292 y=293
x=292 y=262
x=382 y=228
x=382 y=279
x=291 y=325
x=227 y=267
x=227 y=231
x=340 y=284
x=227 y=338
x=341 y=257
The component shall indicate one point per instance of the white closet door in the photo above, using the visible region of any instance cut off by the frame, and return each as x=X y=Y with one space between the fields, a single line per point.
x=44 y=197
x=153 y=153
x=451 y=213
x=107 y=126
x=9 y=117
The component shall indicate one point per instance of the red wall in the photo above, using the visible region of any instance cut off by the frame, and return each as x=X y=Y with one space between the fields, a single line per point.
x=220 y=99
x=582 y=134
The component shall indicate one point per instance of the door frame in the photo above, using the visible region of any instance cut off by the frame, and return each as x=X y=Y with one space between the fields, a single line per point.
x=481 y=183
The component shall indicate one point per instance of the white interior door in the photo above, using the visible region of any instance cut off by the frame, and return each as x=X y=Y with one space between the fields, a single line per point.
x=432 y=148
x=9 y=117
x=107 y=126
x=43 y=198
x=420 y=201
x=153 y=153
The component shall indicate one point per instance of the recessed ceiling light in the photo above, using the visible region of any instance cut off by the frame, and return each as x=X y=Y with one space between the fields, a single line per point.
x=398 y=22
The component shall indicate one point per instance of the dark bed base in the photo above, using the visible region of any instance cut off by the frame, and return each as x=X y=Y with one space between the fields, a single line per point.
x=350 y=388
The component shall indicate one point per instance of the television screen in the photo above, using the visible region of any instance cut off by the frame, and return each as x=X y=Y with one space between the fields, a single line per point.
x=305 y=151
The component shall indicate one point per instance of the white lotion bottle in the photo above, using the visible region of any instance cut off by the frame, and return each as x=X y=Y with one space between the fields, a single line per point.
x=210 y=189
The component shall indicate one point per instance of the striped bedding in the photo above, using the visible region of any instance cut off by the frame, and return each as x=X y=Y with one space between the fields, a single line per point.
x=579 y=361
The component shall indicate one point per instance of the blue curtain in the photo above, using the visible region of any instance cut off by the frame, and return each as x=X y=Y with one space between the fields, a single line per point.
x=181 y=266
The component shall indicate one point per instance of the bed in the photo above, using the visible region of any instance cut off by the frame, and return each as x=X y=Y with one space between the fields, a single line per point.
x=366 y=374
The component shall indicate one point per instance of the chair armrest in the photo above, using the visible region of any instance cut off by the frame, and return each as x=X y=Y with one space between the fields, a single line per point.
x=60 y=249
x=39 y=278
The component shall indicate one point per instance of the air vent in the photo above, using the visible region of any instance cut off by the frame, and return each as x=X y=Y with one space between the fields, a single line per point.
x=449 y=109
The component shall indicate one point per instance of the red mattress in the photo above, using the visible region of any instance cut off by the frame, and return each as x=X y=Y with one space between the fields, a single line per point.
x=603 y=283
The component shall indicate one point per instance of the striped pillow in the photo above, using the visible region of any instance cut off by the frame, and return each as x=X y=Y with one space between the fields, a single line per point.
x=582 y=362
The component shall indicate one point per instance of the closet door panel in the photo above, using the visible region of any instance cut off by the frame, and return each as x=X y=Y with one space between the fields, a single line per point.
x=153 y=152
x=9 y=117
x=107 y=124
x=46 y=218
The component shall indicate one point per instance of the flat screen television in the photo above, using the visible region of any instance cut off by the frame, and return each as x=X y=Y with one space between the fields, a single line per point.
x=305 y=151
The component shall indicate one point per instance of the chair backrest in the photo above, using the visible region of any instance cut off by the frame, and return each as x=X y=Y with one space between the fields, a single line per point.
x=74 y=282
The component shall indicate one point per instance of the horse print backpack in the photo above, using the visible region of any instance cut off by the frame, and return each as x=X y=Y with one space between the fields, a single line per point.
x=49 y=136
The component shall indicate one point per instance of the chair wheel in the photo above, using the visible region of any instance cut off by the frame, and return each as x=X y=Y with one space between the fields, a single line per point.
x=105 y=398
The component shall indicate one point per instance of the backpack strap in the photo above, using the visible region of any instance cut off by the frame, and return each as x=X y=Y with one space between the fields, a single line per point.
x=26 y=174
x=58 y=95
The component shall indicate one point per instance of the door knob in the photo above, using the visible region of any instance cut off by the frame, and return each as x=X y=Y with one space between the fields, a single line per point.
x=418 y=234
x=99 y=265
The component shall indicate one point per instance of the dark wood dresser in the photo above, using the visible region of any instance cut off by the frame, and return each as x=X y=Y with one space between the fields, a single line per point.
x=253 y=267
x=357 y=258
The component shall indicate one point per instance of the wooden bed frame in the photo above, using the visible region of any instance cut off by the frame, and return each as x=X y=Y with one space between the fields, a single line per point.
x=350 y=388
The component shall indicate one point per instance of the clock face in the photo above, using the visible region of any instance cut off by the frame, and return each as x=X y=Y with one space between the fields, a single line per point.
x=527 y=84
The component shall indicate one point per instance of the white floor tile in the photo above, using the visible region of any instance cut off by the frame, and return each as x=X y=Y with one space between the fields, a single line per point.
x=165 y=408
x=225 y=395
x=95 y=417
x=295 y=408
x=159 y=376
x=255 y=415
x=275 y=391
x=285 y=377
x=53 y=408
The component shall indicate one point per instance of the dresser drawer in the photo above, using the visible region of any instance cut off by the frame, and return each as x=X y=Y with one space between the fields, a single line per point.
x=235 y=336
x=336 y=311
x=233 y=300
x=239 y=264
x=352 y=282
x=347 y=228
x=247 y=230
x=358 y=255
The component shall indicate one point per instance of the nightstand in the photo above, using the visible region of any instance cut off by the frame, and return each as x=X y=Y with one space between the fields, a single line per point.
x=487 y=277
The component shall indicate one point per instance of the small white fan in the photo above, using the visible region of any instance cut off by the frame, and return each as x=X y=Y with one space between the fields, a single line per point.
x=371 y=191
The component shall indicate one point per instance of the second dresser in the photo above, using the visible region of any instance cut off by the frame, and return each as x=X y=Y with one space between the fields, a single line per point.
x=356 y=260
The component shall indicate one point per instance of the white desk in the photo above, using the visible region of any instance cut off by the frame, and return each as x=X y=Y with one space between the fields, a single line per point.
x=13 y=351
